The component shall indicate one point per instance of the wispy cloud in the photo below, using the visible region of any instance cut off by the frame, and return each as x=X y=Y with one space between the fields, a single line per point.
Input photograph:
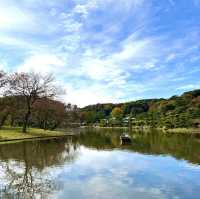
x=189 y=87
x=103 y=50
x=44 y=63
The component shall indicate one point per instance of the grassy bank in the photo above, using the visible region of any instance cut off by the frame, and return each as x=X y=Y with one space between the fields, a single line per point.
x=184 y=130
x=9 y=134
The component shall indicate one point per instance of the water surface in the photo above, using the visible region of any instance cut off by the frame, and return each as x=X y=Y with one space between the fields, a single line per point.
x=95 y=165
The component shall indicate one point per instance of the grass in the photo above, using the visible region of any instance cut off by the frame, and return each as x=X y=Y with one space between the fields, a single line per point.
x=184 y=130
x=9 y=134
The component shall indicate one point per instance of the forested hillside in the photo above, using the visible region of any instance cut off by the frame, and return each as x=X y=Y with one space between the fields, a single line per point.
x=175 y=112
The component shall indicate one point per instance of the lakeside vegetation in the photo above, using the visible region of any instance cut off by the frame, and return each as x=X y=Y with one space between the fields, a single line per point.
x=29 y=101
x=173 y=113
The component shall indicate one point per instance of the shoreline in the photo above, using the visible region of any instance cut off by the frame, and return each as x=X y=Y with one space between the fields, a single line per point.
x=175 y=130
x=32 y=138
x=8 y=134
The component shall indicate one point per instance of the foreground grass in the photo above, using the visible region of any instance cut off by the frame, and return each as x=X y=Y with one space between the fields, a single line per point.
x=9 y=134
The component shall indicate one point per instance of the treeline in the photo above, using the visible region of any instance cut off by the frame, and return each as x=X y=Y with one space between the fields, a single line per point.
x=29 y=100
x=176 y=112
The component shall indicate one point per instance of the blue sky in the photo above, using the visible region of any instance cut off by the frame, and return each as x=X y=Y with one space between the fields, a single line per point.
x=105 y=50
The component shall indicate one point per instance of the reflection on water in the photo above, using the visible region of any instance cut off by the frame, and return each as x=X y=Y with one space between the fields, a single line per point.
x=24 y=167
x=180 y=146
x=95 y=165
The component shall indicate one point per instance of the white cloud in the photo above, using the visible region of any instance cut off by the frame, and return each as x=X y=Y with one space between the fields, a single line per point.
x=133 y=55
x=99 y=69
x=84 y=9
x=113 y=92
x=189 y=87
x=91 y=95
x=88 y=43
x=14 y=18
x=134 y=49
x=68 y=23
x=44 y=63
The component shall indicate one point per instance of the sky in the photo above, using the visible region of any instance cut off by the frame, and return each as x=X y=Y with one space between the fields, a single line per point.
x=105 y=50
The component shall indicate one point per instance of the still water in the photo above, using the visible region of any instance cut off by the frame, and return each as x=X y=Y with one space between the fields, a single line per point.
x=93 y=165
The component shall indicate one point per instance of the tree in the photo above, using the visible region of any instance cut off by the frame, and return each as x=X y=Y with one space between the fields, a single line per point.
x=7 y=108
x=48 y=114
x=117 y=113
x=90 y=117
x=31 y=86
x=4 y=110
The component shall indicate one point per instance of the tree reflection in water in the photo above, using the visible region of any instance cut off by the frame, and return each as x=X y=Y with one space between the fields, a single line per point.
x=34 y=169
x=180 y=146
x=24 y=167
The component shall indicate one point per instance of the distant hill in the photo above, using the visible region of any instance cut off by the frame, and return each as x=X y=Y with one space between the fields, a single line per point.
x=177 y=111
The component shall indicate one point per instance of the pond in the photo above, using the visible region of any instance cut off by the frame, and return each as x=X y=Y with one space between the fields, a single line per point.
x=93 y=164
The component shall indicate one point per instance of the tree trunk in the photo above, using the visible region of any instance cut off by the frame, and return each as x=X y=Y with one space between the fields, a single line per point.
x=45 y=125
x=26 y=119
x=3 y=120
x=54 y=126
x=12 y=121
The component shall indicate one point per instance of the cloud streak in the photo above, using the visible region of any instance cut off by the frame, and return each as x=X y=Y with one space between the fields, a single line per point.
x=103 y=51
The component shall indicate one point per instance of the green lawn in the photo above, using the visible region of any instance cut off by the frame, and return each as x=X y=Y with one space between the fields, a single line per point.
x=8 y=133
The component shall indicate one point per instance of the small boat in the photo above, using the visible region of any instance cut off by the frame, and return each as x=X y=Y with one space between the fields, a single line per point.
x=125 y=139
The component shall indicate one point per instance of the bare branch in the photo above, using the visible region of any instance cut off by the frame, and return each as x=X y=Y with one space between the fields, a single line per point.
x=31 y=86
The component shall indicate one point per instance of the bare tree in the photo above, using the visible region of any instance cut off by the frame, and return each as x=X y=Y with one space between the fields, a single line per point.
x=48 y=114
x=31 y=86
